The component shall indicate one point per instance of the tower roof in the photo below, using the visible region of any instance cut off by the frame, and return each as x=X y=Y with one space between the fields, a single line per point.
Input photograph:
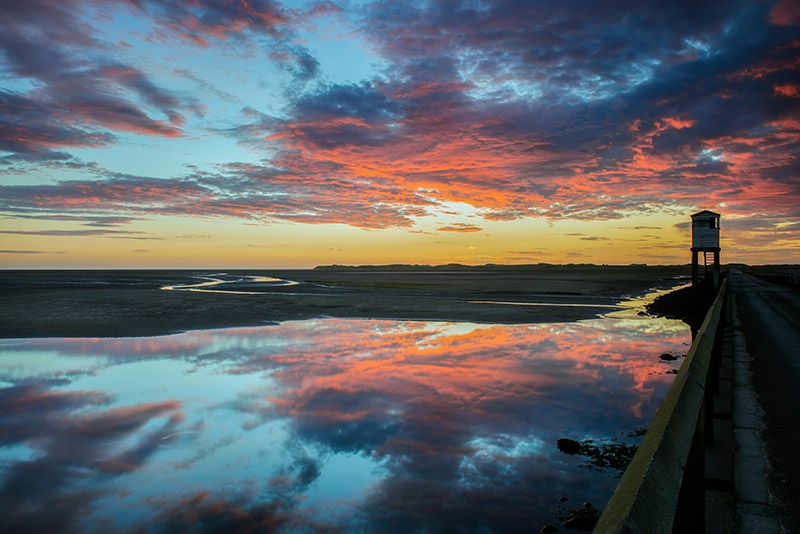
x=705 y=213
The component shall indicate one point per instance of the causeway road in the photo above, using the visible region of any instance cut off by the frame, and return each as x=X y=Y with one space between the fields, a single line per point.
x=769 y=316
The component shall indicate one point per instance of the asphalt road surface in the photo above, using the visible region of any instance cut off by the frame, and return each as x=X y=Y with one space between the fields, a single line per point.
x=770 y=316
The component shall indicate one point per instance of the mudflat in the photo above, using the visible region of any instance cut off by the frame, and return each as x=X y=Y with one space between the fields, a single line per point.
x=134 y=303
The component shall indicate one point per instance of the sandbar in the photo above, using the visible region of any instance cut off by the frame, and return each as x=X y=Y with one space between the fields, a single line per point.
x=133 y=303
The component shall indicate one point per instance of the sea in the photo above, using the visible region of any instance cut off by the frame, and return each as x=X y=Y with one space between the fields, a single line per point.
x=328 y=424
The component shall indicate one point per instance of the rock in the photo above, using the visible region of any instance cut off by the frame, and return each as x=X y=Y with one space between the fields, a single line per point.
x=548 y=528
x=667 y=357
x=563 y=499
x=580 y=523
x=582 y=518
x=568 y=446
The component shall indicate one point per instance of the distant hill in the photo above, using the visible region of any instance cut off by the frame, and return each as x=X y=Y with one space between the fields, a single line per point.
x=491 y=267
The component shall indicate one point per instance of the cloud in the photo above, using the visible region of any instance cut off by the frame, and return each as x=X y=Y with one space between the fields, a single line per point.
x=568 y=111
x=205 y=20
x=193 y=236
x=32 y=129
x=30 y=252
x=113 y=195
x=460 y=227
x=243 y=191
x=83 y=93
x=86 y=220
x=432 y=136
x=247 y=23
x=70 y=233
x=789 y=90
x=785 y=13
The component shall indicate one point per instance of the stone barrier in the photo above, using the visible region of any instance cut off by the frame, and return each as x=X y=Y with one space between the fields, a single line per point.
x=662 y=490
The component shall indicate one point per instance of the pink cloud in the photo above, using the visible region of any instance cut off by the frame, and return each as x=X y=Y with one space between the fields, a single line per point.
x=785 y=13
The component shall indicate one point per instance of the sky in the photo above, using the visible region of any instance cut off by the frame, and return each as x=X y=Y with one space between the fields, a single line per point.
x=258 y=133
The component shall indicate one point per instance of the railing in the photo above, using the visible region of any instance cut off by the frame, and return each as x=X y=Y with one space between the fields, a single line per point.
x=791 y=279
x=662 y=490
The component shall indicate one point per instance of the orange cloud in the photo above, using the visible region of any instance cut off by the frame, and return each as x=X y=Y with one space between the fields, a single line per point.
x=678 y=123
x=790 y=90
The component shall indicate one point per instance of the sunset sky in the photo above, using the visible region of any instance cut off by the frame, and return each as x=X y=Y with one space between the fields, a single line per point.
x=205 y=133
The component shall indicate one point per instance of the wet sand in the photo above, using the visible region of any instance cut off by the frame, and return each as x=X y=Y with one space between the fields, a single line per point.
x=131 y=303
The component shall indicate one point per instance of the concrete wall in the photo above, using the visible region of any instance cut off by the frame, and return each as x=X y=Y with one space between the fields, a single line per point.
x=658 y=493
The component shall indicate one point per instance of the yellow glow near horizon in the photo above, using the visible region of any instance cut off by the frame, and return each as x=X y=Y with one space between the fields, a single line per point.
x=175 y=242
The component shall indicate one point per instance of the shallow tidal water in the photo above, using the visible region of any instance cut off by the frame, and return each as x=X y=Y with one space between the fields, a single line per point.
x=323 y=425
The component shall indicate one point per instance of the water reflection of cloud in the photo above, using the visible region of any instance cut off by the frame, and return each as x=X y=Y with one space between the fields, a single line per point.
x=207 y=512
x=57 y=487
x=458 y=421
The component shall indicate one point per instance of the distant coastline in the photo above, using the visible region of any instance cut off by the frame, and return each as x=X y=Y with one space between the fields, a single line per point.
x=489 y=266
x=633 y=267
